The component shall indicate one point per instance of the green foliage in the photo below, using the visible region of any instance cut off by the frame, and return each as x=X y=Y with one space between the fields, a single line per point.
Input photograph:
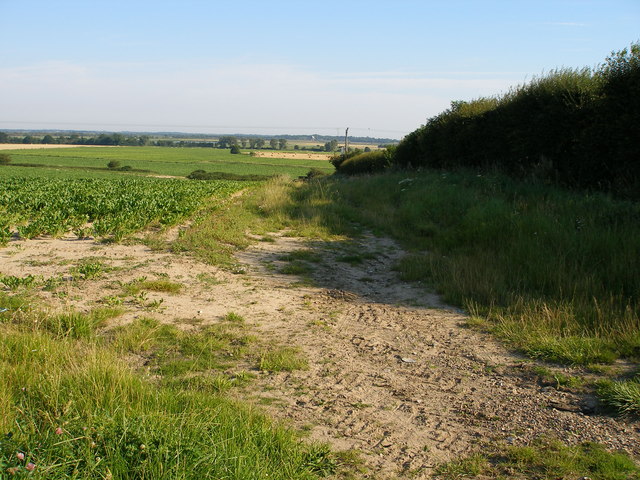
x=464 y=467
x=576 y=127
x=314 y=173
x=544 y=459
x=91 y=162
x=142 y=284
x=70 y=408
x=339 y=159
x=13 y=283
x=621 y=396
x=5 y=159
x=113 y=208
x=284 y=359
x=235 y=149
x=113 y=164
x=555 y=272
x=368 y=162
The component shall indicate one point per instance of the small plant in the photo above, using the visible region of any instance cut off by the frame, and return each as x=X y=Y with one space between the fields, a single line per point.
x=233 y=317
x=621 y=396
x=113 y=165
x=12 y=282
x=463 y=468
x=285 y=359
x=89 y=270
x=5 y=159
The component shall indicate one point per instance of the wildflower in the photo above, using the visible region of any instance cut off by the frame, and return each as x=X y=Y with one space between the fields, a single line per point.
x=13 y=470
x=59 y=431
x=31 y=466
x=20 y=455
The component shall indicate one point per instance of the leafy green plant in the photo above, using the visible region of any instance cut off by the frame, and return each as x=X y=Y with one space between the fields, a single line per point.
x=12 y=282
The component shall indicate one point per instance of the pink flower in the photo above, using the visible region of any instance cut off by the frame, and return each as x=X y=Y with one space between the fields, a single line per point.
x=58 y=431
x=20 y=455
x=31 y=466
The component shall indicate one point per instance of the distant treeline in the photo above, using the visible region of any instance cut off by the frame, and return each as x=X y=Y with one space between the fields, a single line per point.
x=579 y=128
x=177 y=139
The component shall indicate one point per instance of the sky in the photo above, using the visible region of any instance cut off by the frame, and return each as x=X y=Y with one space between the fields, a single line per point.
x=380 y=68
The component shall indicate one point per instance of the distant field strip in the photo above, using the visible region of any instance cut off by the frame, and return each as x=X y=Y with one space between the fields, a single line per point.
x=166 y=160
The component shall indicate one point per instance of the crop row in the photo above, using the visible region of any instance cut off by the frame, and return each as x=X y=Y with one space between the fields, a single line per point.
x=99 y=207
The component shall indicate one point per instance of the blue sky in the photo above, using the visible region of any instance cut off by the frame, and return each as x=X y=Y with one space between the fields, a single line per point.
x=271 y=67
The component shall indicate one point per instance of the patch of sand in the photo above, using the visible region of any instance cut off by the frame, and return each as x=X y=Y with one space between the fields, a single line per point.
x=293 y=155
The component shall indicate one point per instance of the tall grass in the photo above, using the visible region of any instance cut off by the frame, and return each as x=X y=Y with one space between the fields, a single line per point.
x=71 y=408
x=555 y=272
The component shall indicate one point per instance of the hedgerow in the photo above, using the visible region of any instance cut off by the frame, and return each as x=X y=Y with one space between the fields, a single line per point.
x=576 y=127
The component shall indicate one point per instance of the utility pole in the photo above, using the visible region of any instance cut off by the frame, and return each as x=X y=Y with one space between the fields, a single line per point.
x=346 y=141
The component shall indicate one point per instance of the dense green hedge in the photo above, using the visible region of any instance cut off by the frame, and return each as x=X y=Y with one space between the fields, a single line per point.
x=580 y=128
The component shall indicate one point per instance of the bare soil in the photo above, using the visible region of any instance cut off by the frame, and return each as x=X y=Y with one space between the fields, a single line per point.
x=393 y=373
x=293 y=155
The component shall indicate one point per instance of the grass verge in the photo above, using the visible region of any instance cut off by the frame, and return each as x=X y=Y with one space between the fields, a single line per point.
x=553 y=272
x=544 y=459
x=70 y=407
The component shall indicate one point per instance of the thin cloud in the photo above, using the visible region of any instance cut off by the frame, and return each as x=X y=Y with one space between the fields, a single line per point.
x=567 y=24
x=233 y=94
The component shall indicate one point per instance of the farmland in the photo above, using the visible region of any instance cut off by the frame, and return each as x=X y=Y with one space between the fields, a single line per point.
x=172 y=321
x=100 y=207
x=156 y=161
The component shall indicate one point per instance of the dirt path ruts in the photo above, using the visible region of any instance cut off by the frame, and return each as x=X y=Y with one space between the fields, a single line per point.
x=393 y=373
x=396 y=375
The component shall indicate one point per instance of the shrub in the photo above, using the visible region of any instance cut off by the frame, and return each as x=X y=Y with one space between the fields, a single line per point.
x=370 y=162
x=314 y=173
x=235 y=149
x=339 y=159
x=5 y=159
x=113 y=164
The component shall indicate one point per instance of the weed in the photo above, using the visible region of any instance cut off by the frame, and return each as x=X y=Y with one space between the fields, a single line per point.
x=142 y=284
x=621 y=396
x=301 y=255
x=88 y=269
x=233 y=317
x=13 y=283
x=466 y=467
x=296 y=267
x=285 y=359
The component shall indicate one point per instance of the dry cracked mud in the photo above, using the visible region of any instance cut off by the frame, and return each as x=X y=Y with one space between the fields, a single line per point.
x=393 y=373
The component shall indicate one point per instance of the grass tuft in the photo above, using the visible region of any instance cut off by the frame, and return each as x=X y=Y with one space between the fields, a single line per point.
x=621 y=396
x=285 y=359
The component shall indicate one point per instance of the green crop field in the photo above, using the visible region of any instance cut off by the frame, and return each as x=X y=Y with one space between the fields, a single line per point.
x=154 y=161
x=102 y=207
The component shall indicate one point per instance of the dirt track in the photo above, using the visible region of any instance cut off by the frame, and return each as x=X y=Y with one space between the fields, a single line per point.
x=393 y=374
